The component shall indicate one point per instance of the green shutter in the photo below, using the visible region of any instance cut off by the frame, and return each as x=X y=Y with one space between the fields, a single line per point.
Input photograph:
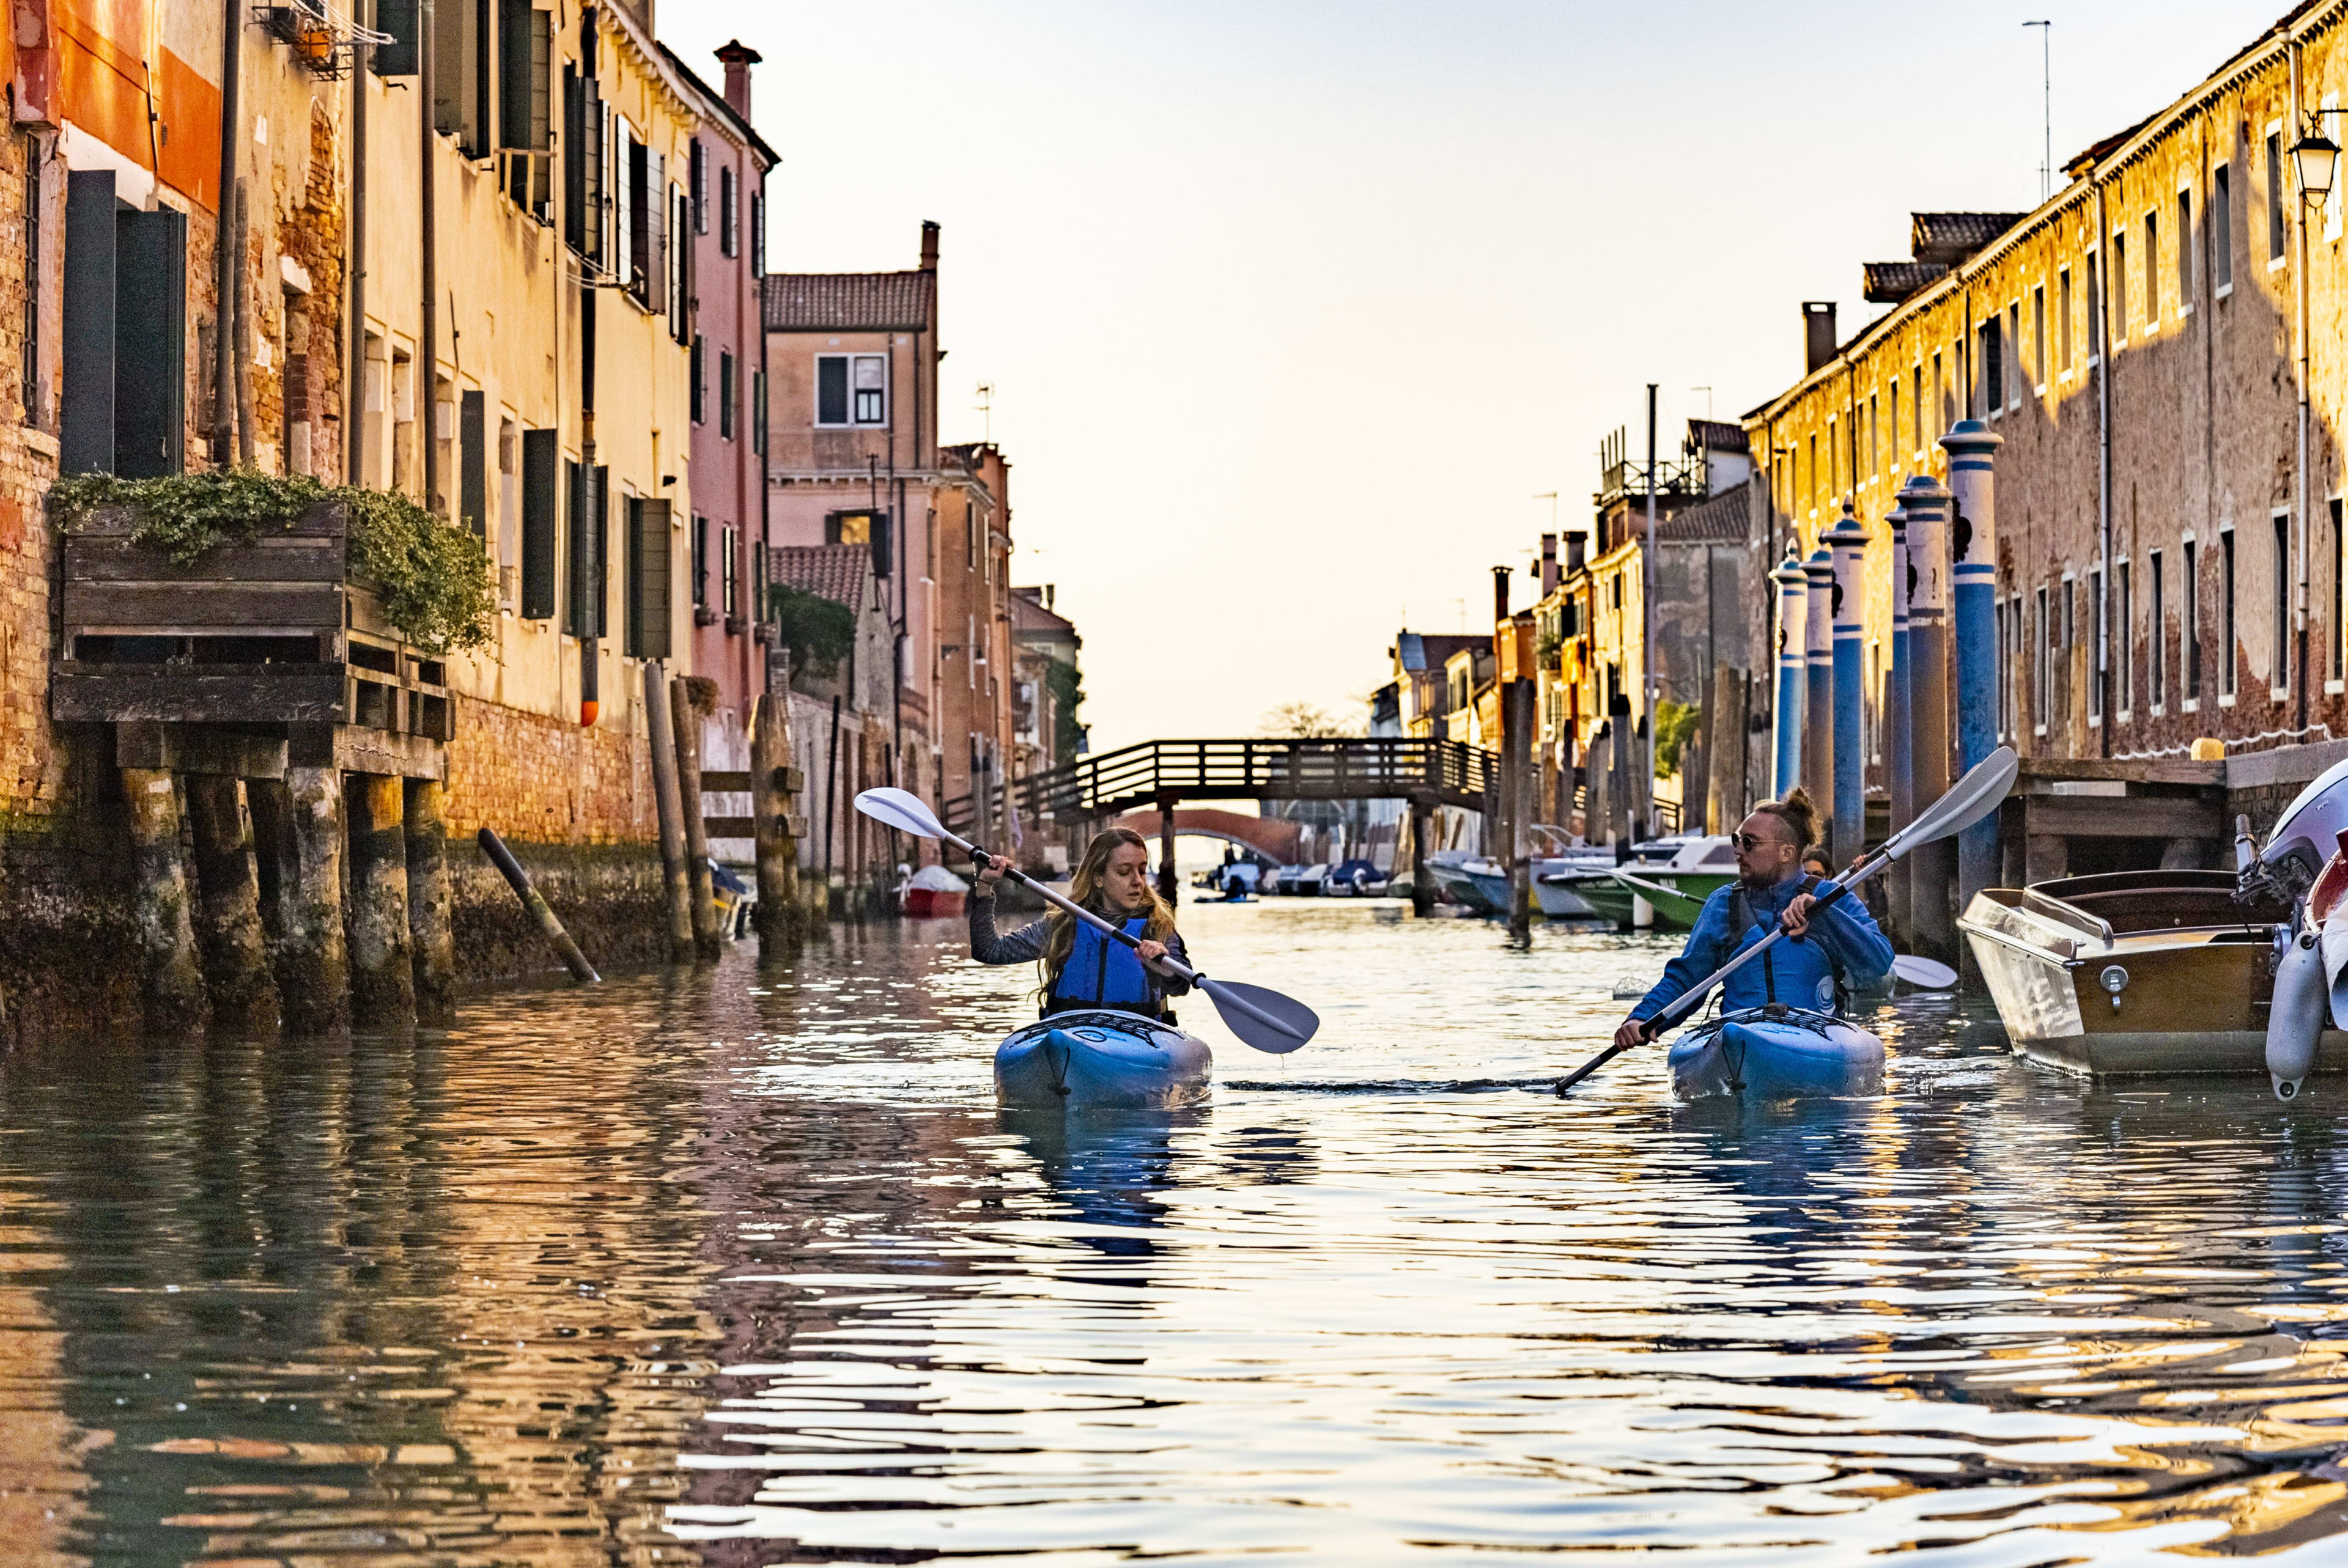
x=649 y=587
x=538 y=462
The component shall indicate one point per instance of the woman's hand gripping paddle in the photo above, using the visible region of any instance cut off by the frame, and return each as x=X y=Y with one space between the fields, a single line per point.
x=1969 y=800
x=1263 y=1019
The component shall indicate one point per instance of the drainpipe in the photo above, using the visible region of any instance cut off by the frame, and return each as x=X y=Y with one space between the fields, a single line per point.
x=591 y=624
x=427 y=356
x=2097 y=287
x=2299 y=615
x=1647 y=611
x=355 y=366
x=224 y=243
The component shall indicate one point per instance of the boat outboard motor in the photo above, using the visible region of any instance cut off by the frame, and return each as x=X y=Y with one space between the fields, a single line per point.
x=2295 y=1021
x=2303 y=838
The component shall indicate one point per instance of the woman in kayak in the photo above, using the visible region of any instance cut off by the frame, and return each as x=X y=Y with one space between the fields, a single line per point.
x=1832 y=950
x=1082 y=968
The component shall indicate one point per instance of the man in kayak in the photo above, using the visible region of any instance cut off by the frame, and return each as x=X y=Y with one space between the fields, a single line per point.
x=1832 y=950
x=1082 y=968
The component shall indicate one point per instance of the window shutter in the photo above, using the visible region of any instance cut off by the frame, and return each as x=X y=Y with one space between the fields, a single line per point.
x=832 y=389
x=473 y=462
x=538 y=466
x=758 y=235
x=86 y=438
x=759 y=412
x=513 y=73
x=648 y=554
x=574 y=162
x=398 y=57
x=600 y=486
x=726 y=395
x=150 y=333
x=699 y=366
x=579 y=564
x=541 y=80
x=729 y=215
x=656 y=204
x=700 y=188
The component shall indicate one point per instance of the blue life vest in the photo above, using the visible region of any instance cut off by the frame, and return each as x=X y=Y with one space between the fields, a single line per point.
x=1800 y=974
x=1101 y=972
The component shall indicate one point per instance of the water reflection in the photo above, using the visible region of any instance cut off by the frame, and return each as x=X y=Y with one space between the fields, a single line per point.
x=747 y=1269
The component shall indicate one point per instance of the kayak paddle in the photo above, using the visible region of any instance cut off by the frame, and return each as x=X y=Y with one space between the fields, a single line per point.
x=1263 y=1019
x=1967 y=800
x=1923 y=973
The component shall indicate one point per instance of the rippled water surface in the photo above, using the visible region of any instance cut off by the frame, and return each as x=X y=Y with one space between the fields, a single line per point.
x=745 y=1268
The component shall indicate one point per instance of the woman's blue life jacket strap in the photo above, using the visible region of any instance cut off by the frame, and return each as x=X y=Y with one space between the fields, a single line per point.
x=1844 y=945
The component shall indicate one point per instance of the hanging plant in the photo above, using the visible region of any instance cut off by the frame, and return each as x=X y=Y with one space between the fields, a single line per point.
x=434 y=578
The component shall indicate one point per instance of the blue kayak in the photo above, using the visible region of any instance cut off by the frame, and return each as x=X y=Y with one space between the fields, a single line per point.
x=1115 y=1060
x=1776 y=1054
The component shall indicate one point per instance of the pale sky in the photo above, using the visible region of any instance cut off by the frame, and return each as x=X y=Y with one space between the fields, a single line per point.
x=1291 y=308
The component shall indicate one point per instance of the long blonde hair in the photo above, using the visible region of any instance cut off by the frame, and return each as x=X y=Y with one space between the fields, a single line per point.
x=1085 y=887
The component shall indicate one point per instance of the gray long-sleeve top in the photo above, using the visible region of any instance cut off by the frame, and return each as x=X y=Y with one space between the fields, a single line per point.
x=1025 y=944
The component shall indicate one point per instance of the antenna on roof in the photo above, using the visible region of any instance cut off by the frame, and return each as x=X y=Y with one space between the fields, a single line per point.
x=1707 y=399
x=2046 y=89
x=986 y=407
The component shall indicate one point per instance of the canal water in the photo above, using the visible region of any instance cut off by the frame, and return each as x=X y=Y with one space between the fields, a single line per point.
x=744 y=1267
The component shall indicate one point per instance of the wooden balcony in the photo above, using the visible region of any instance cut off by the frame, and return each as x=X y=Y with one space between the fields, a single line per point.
x=274 y=640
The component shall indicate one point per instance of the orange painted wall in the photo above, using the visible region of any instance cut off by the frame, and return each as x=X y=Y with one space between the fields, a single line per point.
x=190 y=108
x=101 y=77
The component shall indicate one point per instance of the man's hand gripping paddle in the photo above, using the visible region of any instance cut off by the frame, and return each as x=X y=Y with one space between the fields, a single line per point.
x=1969 y=800
x=1263 y=1019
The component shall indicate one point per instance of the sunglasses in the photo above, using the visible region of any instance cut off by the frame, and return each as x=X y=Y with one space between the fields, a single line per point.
x=1749 y=842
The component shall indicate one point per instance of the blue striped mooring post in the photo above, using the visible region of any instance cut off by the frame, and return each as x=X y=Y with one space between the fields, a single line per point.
x=1817 y=714
x=1848 y=543
x=1931 y=926
x=1973 y=556
x=1898 y=767
x=1793 y=590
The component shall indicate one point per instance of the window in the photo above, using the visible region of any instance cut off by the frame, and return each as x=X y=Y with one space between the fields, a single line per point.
x=699 y=159
x=2339 y=599
x=2038 y=333
x=2119 y=289
x=1916 y=409
x=627 y=191
x=1873 y=459
x=759 y=412
x=1810 y=496
x=699 y=373
x=123 y=305
x=2095 y=662
x=2192 y=618
x=2276 y=230
x=2184 y=252
x=1991 y=371
x=2159 y=637
x=2063 y=319
x=729 y=229
x=1940 y=390
x=647 y=628
x=677 y=245
x=2012 y=382
x=1892 y=387
x=537 y=505
x=590 y=580
x=28 y=357
x=2041 y=682
x=726 y=395
x=460 y=76
x=2009 y=637
x=525 y=69
x=583 y=189
x=2151 y=272
x=700 y=563
x=2331 y=197
x=2221 y=230
x=851 y=389
x=758 y=234
x=729 y=572
x=2226 y=615
x=2281 y=676
x=2122 y=637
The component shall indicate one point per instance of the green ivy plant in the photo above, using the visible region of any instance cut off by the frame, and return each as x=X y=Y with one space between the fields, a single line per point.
x=1675 y=724
x=817 y=630
x=434 y=578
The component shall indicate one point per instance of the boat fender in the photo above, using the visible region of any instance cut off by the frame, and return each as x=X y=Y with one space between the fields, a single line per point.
x=2295 y=1020
x=2334 y=948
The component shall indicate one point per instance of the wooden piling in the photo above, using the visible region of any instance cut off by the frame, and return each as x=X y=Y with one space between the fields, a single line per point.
x=171 y=982
x=1518 y=699
x=1422 y=885
x=773 y=792
x=533 y=901
x=228 y=907
x=383 y=970
x=692 y=697
x=424 y=826
x=670 y=810
x=1166 y=885
x=297 y=825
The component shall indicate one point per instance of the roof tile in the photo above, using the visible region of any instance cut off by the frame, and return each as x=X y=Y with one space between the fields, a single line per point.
x=850 y=302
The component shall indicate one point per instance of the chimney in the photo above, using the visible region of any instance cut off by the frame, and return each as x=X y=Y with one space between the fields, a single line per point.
x=929 y=246
x=1047 y=596
x=1577 y=544
x=1817 y=333
x=738 y=57
x=1548 y=565
x=1499 y=595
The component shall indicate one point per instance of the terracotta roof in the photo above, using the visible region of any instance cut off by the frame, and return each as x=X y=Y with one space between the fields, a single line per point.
x=1718 y=435
x=1724 y=520
x=850 y=302
x=1888 y=282
x=839 y=573
x=1028 y=614
x=1430 y=650
x=1953 y=236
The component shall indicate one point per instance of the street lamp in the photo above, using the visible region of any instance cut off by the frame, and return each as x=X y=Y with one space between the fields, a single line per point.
x=2316 y=158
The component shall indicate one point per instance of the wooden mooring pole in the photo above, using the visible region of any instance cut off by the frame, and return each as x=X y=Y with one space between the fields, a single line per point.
x=670 y=809
x=694 y=698
x=1422 y=885
x=228 y=907
x=539 y=910
x=383 y=971
x=773 y=792
x=171 y=982
x=297 y=825
x=424 y=826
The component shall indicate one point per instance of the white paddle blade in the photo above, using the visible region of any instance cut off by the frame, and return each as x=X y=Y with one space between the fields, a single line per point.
x=1923 y=973
x=901 y=810
x=1970 y=799
x=1263 y=1019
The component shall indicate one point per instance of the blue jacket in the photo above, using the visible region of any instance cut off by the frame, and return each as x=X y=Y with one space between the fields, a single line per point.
x=1798 y=972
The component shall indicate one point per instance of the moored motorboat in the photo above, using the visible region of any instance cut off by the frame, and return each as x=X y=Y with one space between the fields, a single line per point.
x=1693 y=866
x=1102 y=1060
x=1775 y=1054
x=2135 y=971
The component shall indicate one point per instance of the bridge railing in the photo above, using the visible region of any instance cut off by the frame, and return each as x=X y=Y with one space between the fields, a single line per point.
x=1357 y=768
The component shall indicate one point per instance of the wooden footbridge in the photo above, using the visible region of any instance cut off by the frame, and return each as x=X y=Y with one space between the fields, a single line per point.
x=1165 y=773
